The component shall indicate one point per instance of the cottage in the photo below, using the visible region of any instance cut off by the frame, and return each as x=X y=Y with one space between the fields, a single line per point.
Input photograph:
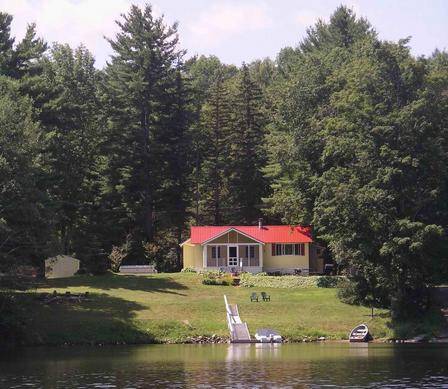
x=283 y=249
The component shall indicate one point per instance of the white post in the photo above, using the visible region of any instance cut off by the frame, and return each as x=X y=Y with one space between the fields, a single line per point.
x=261 y=256
x=204 y=256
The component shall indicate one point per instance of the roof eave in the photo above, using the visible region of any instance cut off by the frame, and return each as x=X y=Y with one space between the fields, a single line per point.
x=227 y=231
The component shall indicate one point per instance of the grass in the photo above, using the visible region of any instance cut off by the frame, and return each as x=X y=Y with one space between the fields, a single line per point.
x=173 y=307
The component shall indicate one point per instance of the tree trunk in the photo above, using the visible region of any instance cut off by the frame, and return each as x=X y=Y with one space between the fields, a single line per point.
x=148 y=206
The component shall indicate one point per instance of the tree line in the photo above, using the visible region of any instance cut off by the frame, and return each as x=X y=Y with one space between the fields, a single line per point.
x=345 y=132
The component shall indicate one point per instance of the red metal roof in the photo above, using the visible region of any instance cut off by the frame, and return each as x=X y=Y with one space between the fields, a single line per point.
x=265 y=234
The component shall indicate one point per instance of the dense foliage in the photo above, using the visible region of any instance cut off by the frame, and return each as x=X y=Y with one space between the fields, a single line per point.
x=345 y=132
x=262 y=280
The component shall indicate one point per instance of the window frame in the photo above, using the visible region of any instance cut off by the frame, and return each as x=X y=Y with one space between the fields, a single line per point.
x=216 y=252
x=290 y=247
x=279 y=249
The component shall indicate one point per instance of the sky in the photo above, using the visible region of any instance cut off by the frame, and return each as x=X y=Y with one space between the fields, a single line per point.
x=234 y=30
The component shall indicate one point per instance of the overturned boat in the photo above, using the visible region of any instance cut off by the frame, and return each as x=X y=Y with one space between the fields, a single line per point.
x=359 y=334
x=267 y=335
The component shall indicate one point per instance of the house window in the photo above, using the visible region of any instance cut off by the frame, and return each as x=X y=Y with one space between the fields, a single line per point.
x=278 y=249
x=216 y=252
x=288 y=249
x=299 y=249
x=251 y=251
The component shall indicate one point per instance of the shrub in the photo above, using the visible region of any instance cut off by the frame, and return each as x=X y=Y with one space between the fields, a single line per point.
x=210 y=281
x=188 y=270
x=348 y=292
x=329 y=281
x=217 y=278
x=212 y=273
x=119 y=253
x=264 y=281
x=227 y=279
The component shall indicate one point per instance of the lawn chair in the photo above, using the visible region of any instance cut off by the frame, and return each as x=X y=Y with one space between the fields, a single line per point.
x=265 y=296
x=254 y=297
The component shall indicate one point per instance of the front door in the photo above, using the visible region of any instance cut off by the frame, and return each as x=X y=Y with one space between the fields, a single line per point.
x=233 y=255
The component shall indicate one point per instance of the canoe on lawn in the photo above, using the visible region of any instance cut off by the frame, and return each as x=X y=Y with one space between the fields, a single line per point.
x=359 y=334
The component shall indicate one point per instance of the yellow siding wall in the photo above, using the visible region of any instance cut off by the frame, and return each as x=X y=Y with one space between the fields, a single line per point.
x=285 y=261
x=192 y=255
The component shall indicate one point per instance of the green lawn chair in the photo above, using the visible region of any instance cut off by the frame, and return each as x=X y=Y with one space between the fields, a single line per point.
x=254 y=297
x=265 y=296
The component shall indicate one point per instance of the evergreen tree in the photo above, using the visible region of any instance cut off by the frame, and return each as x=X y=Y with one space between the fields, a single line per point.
x=6 y=43
x=213 y=182
x=22 y=59
x=247 y=157
x=25 y=229
x=141 y=92
x=71 y=128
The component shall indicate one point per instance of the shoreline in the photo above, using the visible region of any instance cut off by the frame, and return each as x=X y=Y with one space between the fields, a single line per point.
x=176 y=308
x=209 y=340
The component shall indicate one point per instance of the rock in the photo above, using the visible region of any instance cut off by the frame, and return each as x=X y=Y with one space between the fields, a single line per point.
x=321 y=338
x=417 y=339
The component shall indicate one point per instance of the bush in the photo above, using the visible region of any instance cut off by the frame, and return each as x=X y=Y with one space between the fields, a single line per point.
x=348 y=292
x=210 y=281
x=329 y=281
x=118 y=254
x=217 y=278
x=227 y=280
x=217 y=281
x=264 y=281
x=188 y=270
x=212 y=273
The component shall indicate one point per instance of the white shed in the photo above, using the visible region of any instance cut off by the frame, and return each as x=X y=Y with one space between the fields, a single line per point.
x=61 y=266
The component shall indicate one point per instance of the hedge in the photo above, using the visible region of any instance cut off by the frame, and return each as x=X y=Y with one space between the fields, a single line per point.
x=264 y=281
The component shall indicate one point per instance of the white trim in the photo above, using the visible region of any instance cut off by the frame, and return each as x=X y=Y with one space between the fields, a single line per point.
x=227 y=231
x=185 y=242
x=204 y=256
x=233 y=244
x=234 y=258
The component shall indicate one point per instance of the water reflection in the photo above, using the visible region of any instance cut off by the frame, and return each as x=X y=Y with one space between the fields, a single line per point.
x=236 y=365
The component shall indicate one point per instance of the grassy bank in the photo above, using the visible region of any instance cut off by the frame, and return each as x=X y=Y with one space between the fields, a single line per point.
x=173 y=307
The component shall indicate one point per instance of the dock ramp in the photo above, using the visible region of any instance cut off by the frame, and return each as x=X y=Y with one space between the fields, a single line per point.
x=239 y=333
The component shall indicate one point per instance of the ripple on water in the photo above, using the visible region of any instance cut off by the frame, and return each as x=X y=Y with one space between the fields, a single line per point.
x=229 y=366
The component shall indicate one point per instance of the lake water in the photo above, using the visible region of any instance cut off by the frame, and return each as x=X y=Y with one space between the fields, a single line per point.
x=238 y=366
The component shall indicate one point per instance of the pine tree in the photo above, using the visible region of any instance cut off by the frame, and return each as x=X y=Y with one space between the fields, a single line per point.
x=213 y=182
x=23 y=58
x=25 y=228
x=247 y=158
x=6 y=43
x=141 y=87
x=71 y=130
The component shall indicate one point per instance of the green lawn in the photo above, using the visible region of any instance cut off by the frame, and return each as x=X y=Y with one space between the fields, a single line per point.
x=172 y=307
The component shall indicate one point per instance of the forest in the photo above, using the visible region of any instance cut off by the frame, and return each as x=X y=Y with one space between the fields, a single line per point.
x=344 y=132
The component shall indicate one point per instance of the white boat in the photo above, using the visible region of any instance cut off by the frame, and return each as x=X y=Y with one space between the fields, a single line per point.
x=266 y=335
x=359 y=334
